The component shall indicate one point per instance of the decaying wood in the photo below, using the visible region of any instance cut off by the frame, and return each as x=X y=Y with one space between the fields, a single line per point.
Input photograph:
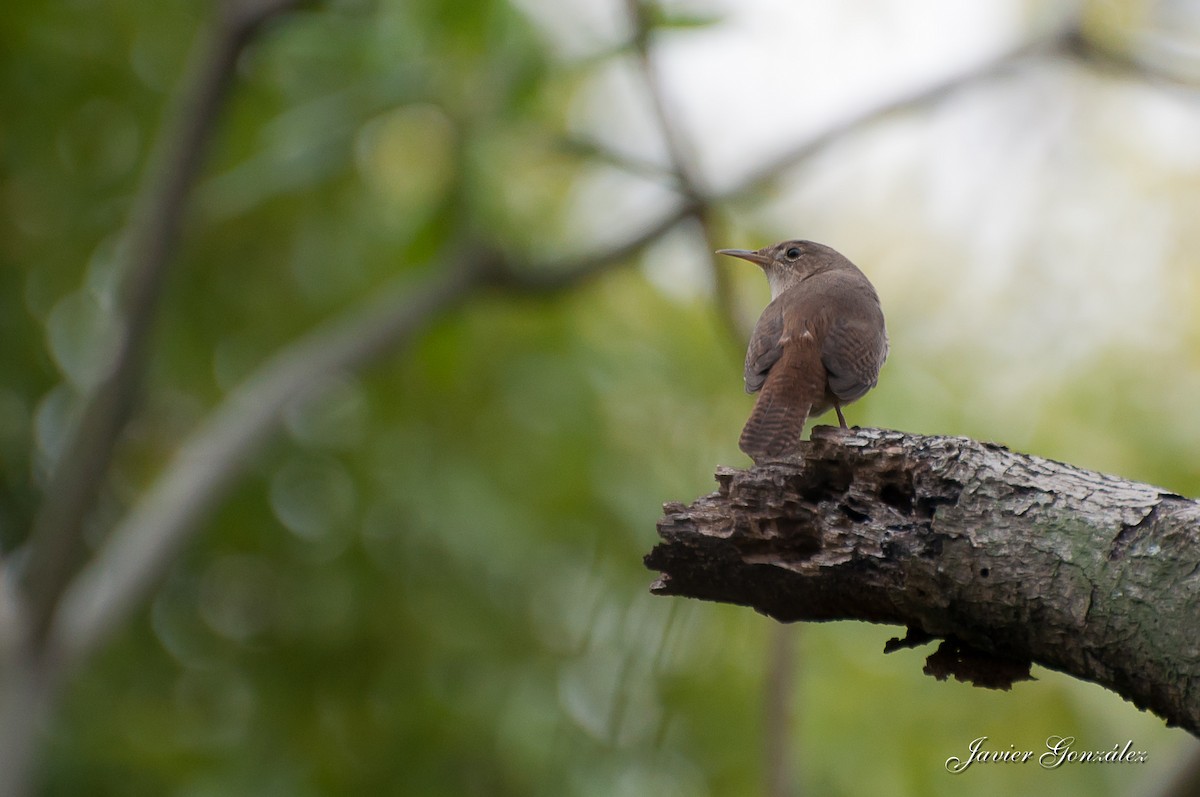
x=1008 y=558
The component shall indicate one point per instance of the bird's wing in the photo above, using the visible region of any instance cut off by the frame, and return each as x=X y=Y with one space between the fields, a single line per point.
x=765 y=347
x=853 y=352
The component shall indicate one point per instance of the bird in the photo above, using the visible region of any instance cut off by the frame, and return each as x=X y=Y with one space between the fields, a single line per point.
x=819 y=343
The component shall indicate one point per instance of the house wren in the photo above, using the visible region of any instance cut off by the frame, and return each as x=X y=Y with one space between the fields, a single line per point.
x=819 y=344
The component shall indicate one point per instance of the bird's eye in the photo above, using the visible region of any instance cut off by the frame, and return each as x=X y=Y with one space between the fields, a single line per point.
x=793 y=253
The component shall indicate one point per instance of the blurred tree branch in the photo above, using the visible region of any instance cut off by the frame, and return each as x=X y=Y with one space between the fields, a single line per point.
x=1063 y=40
x=679 y=148
x=549 y=278
x=56 y=546
x=1009 y=558
x=685 y=169
x=143 y=545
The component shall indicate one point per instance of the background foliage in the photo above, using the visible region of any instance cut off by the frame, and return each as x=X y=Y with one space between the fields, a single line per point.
x=431 y=583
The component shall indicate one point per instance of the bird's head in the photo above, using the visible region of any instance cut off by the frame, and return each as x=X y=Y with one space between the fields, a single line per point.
x=788 y=263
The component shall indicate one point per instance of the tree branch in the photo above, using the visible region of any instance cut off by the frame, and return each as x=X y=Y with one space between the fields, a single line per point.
x=549 y=278
x=684 y=163
x=142 y=546
x=780 y=746
x=1061 y=40
x=145 y=542
x=55 y=545
x=685 y=171
x=1010 y=558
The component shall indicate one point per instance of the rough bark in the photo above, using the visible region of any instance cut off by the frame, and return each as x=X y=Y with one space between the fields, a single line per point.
x=1008 y=558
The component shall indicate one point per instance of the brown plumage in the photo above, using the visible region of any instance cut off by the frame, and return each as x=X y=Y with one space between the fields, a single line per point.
x=819 y=344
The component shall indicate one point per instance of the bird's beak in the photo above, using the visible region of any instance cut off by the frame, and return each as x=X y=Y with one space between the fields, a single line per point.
x=746 y=254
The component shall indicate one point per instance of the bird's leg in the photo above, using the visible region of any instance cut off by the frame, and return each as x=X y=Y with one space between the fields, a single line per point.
x=841 y=418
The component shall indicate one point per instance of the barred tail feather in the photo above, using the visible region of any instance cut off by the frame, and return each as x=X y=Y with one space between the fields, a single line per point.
x=794 y=385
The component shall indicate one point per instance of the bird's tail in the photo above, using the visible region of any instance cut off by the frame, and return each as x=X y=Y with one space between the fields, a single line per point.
x=795 y=384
